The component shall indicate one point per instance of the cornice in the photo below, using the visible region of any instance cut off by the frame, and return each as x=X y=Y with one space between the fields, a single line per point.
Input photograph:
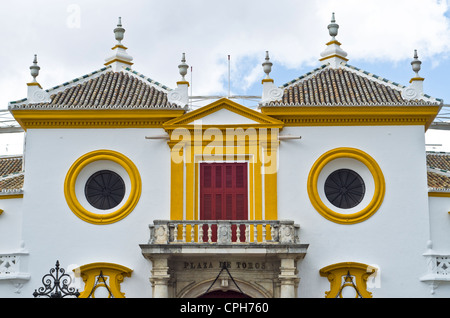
x=353 y=115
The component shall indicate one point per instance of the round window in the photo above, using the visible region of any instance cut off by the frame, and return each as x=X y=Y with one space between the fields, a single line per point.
x=104 y=190
x=344 y=188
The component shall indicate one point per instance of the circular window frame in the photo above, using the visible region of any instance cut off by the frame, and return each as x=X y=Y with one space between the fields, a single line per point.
x=122 y=210
x=334 y=188
x=361 y=214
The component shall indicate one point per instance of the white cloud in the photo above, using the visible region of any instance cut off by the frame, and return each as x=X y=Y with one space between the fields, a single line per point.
x=157 y=32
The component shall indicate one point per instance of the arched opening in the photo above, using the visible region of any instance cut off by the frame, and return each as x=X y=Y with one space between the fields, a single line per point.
x=224 y=294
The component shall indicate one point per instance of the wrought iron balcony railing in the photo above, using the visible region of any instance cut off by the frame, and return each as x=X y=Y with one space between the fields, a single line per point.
x=222 y=232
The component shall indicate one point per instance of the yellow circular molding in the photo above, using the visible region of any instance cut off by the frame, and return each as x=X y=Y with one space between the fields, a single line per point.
x=123 y=210
x=368 y=210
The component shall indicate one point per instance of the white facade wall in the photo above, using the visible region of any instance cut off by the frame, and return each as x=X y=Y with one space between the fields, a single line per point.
x=393 y=239
x=52 y=232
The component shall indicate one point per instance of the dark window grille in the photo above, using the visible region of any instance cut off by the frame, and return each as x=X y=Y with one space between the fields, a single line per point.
x=344 y=188
x=105 y=190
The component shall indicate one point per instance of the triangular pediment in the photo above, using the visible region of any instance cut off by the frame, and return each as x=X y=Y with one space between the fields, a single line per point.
x=224 y=113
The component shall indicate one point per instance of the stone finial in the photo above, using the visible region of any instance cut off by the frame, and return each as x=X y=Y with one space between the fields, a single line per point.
x=35 y=92
x=180 y=95
x=333 y=27
x=119 y=32
x=415 y=89
x=333 y=54
x=416 y=64
x=182 y=67
x=120 y=58
x=270 y=91
x=267 y=65
x=34 y=69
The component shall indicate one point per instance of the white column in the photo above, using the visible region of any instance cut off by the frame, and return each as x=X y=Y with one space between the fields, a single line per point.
x=288 y=278
x=160 y=277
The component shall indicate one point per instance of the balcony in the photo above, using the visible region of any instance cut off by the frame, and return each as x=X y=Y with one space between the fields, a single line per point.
x=189 y=256
x=223 y=237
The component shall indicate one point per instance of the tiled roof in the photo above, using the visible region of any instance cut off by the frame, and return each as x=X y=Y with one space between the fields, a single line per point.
x=11 y=174
x=438 y=160
x=105 y=89
x=10 y=165
x=345 y=85
x=438 y=164
x=12 y=183
x=438 y=181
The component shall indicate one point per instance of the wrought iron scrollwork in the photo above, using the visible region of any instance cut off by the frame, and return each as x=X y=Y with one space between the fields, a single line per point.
x=100 y=282
x=56 y=284
x=224 y=267
x=348 y=281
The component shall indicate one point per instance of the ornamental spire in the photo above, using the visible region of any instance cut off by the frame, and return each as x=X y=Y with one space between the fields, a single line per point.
x=35 y=92
x=120 y=59
x=415 y=89
x=270 y=91
x=333 y=54
x=34 y=70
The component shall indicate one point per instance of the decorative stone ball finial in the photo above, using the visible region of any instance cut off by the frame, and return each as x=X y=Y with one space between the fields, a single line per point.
x=416 y=64
x=119 y=31
x=183 y=66
x=267 y=65
x=34 y=69
x=333 y=27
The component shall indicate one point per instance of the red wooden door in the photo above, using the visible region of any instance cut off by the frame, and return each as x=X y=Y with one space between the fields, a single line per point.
x=223 y=193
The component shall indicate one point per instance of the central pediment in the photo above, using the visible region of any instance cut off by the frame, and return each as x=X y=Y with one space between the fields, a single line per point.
x=221 y=114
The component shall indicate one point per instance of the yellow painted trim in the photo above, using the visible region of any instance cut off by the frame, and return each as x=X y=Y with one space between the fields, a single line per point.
x=187 y=120
x=119 y=46
x=183 y=83
x=1 y=211
x=115 y=273
x=336 y=272
x=94 y=118
x=34 y=84
x=416 y=79
x=331 y=56
x=82 y=162
x=334 y=42
x=353 y=115
x=439 y=194
x=267 y=80
x=118 y=60
x=176 y=183
x=334 y=216
x=11 y=196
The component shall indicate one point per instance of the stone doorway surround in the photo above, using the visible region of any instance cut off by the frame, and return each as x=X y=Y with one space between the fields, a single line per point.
x=263 y=267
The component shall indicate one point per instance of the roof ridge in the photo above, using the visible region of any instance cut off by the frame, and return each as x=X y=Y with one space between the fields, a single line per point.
x=68 y=84
x=383 y=80
x=305 y=76
x=146 y=79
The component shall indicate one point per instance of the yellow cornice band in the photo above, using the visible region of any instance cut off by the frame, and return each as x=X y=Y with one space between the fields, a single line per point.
x=11 y=196
x=82 y=162
x=439 y=194
x=325 y=211
x=95 y=118
x=353 y=115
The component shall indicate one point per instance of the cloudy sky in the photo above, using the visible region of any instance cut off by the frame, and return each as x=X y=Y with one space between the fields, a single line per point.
x=72 y=38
